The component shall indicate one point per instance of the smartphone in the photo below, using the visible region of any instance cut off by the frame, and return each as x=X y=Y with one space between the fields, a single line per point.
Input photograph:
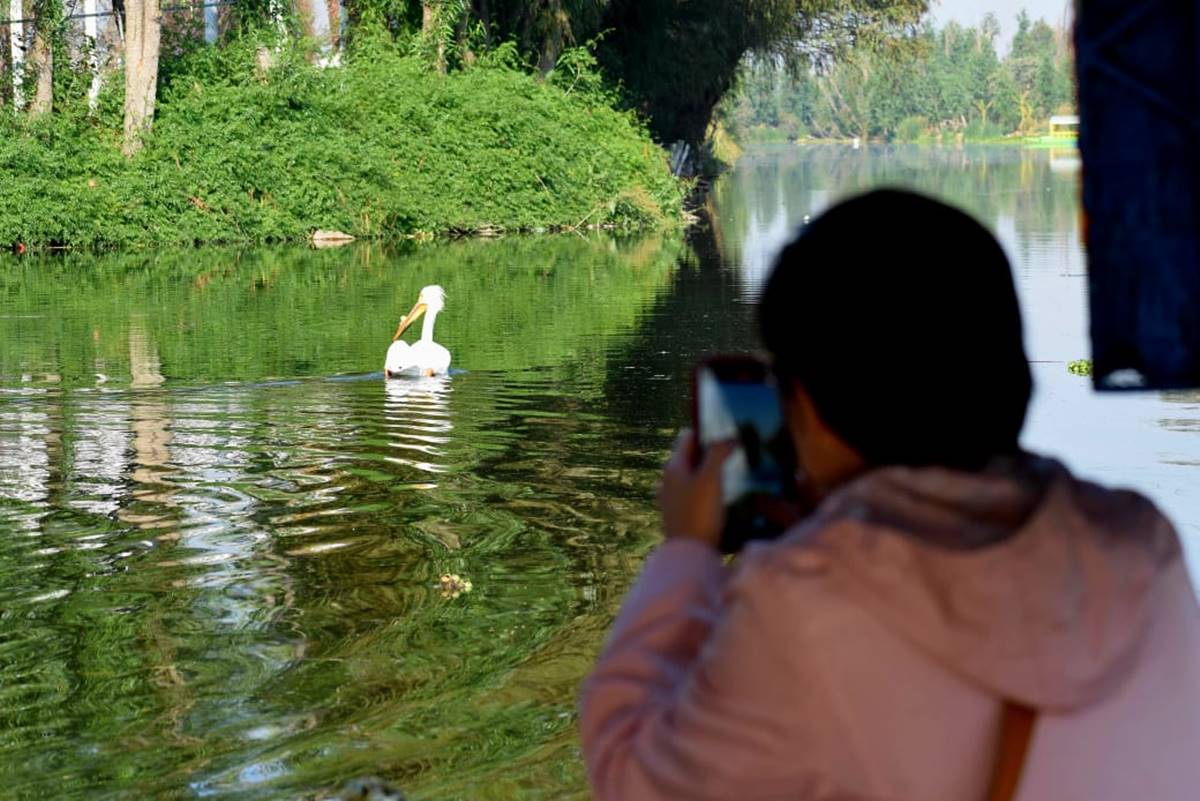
x=735 y=398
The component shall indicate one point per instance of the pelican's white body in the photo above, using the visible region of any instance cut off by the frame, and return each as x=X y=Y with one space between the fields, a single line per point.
x=425 y=357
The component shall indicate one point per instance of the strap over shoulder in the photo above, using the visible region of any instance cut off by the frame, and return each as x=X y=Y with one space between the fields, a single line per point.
x=1016 y=730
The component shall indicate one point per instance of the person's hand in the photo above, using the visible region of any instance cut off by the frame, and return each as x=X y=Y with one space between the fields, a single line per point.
x=690 y=494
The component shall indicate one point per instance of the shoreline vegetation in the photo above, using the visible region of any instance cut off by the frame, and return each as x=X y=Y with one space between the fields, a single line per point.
x=270 y=122
x=379 y=148
x=946 y=85
x=1014 y=140
x=431 y=119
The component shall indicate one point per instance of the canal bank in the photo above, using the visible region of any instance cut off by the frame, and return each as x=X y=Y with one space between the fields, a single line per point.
x=380 y=148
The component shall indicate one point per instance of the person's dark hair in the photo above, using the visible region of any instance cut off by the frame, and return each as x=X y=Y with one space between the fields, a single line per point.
x=898 y=315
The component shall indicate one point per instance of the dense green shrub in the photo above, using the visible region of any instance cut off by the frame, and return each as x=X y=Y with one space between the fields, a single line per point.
x=380 y=147
x=763 y=134
x=912 y=129
x=978 y=130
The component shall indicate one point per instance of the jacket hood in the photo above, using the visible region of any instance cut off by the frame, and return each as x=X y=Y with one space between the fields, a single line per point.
x=1021 y=578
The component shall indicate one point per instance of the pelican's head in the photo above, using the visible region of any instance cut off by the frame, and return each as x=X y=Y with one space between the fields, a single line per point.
x=432 y=299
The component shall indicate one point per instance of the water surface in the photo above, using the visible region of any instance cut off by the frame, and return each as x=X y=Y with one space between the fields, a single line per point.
x=221 y=532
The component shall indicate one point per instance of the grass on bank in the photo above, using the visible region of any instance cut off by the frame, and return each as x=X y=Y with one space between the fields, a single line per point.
x=910 y=130
x=380 y=147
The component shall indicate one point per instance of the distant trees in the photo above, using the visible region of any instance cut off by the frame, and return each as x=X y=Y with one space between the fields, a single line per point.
x=679 y=58
x=1035 y=67
x=933 y=81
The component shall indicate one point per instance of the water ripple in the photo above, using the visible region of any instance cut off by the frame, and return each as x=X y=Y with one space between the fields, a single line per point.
x=226 y=555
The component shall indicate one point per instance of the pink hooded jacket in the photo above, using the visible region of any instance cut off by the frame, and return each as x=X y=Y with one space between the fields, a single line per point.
x=867 y=654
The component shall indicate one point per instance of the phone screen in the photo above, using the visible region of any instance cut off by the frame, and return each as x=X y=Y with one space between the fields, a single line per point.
x=739 y=401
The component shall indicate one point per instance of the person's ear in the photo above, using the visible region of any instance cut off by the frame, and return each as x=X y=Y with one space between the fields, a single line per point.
x=825 y=460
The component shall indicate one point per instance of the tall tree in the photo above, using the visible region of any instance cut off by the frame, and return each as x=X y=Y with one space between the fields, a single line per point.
x=984 y=66
x=319 y=21
x=16 y=50
x=41 y=57
x=432 y=13
x=91 y=46
x=143 y=36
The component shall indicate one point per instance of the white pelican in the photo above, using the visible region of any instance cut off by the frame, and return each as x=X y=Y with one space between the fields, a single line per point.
x=426 y=357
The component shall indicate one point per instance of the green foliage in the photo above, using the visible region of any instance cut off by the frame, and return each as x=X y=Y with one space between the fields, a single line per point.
x=724 y=148
x=1082 y=367
x=379 y=148
x=578 y=71
x=979 y=130
x=678 y=58
x=912 y=129
x=670 y=61
x=674 y=59
x=765 y=135
x=438 y=40
x=951 y=78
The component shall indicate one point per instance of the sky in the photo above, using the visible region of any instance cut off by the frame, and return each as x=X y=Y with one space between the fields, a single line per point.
x=970 y=12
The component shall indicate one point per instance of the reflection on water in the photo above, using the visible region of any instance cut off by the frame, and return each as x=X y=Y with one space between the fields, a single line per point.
x=221 y=530
x=417 y=415
x=221 y=533
x=1028 y=197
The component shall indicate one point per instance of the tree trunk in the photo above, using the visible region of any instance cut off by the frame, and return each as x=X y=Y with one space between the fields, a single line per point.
x=315 y=22
x=984 y=108
x=554 y=38
x=428 y=18
x=321 y=20
x=16 y=32
x=41 y=59
x=5 y=68
x=91 y=33
x=337 y=12
x=212 y=23
x=143 y=33
x=1026 y=109
x=429 y=31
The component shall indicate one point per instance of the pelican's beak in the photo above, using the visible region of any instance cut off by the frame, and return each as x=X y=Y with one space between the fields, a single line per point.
x=409 y=319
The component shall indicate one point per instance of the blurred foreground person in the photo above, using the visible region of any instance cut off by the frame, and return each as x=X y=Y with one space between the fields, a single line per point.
x=956 y=620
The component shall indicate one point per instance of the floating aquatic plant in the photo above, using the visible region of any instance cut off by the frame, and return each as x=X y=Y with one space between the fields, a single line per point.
x=454 y=585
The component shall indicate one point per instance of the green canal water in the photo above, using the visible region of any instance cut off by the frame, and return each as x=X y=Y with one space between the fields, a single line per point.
x=222 y=532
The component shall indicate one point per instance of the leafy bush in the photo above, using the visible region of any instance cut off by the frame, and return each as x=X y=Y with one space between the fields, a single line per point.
x=792 y=126
x=912 y=129
x=723 y=147
x=978 y=129
x=764 y=134
x=381 y=147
